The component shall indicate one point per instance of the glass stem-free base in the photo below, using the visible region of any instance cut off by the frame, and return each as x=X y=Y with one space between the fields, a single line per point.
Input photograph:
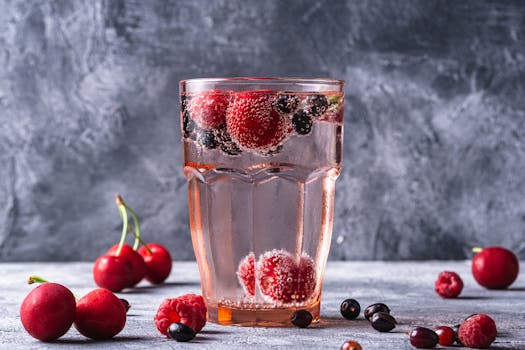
x=249 y=317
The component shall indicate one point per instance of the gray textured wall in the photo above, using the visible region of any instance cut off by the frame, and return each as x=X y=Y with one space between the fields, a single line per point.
x=434 y=131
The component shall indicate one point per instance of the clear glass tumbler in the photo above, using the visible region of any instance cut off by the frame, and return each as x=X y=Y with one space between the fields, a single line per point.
x=261 y=156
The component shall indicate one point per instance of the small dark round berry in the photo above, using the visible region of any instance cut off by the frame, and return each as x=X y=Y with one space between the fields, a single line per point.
x=423 y=338
x=378 y=307
x=317 y=104
x=181 y=332
x=225 y=142
x=188 y=126
x=350 y=309
x=125 y=303
x=383 y=322
x=302 y=123
x=207 y=139
x=301 y=318
x=287 y=103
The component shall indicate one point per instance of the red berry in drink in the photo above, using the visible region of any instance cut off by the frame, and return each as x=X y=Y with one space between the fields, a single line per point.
x=112 y=272
x=351 y=345
x=253 y=123
x=305 y=278
x=423 y=338
x=188 y=309
x=100 y=315
x=447 y=336
x=48 y=311
x=448 y=284
x=495 y=267
x=158 y=262
x=246 y=274
x=138 y=266
x=478 y=331
x=208 y=109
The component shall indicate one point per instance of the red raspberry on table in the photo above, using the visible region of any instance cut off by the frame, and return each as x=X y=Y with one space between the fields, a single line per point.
x=448 y=284
x=246 y=274
x=208 y=109
x=478 y=331
x=281 y=279
x=253 y=122
x=188 y=309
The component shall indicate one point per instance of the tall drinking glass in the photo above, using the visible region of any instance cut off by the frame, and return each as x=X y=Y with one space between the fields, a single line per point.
x=261 y=156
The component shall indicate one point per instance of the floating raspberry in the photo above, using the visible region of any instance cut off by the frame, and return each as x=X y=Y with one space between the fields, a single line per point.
x=188 y=309
x=246 y=274
x=478 y=331
x=253 y=123
x=208 y=109
x=448 y=284
x=282 y=279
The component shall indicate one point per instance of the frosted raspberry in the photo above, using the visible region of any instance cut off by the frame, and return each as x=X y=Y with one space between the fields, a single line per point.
x=188 y=309
x=478 y=331
x=208 y=109
x=246 y=274
x=448 y=284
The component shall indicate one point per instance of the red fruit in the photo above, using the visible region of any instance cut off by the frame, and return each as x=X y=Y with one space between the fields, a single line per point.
x=246 y=274
x=448 y=284
x=253 y=122
x=112 y=272
x=495 y=267
x=478 y=331
x=48 y=311
x=351 y=345
x=138 y=266
x=158 y=262
x=100 y=315
x=208 y=109
x=188 y=309
x=446 y=335
x=281 y=279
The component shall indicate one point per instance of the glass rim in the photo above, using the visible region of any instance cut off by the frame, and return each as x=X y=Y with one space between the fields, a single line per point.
x=262 y=80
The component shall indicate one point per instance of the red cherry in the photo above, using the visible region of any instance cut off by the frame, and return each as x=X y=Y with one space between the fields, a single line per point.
x=100 y=315
x=138 y=266
x=447 y=336
x=48 y=311
x=158 y=262
x=495 y=267
x=112 y=272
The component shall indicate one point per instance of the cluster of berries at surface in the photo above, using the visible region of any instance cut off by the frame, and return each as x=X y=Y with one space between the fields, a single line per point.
x=181 y=318
x=255 y=121
x=124 y=266
x=377 y=314
x=281 y=277
x=476 y=331
x=50 y=309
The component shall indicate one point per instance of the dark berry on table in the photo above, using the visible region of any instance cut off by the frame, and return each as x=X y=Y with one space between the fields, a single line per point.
x=287 y=103
x=317 y=104
x=446 y=335
x=188 y=126
x=207 y=139
x=301 y=318
x=302 y=123
x=423 y=338
x=378 y=307
x=351 y=345
x=126 y=304
x=350 y=309
x=383 y=322
x=181 y=332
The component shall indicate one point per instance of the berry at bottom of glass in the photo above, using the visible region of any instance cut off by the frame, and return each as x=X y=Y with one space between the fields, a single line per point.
x=261 y=157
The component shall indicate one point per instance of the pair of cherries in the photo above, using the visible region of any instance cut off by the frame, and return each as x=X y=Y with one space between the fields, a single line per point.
x=124 y=266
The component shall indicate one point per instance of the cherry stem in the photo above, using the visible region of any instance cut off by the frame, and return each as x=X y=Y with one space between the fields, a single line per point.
x=124 y=216
x=36 y=279
x=132 y=230
x=136 y=232
x=477 y=250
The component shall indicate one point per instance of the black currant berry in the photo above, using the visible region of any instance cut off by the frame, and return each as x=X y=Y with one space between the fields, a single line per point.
x=423 y=338
x=302 y=123
x=207 y=139
x=317 y=105
x=287 y=103
x=181 y=332
x=378 y=307
x=125 y=303
x=350 y=309
x=383 y=322
x=302 y=318
x=225 y=142
x=188 y=126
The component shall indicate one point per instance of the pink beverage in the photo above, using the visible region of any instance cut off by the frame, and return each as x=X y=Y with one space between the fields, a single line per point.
x=261 y=157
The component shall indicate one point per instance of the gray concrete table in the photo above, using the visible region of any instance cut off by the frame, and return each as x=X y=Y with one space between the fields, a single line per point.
x=407 y=287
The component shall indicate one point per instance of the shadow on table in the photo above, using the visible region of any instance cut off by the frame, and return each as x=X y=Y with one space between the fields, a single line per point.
x=116 y=339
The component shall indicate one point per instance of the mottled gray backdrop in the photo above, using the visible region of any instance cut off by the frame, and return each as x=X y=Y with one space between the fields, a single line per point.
x=434 y=132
